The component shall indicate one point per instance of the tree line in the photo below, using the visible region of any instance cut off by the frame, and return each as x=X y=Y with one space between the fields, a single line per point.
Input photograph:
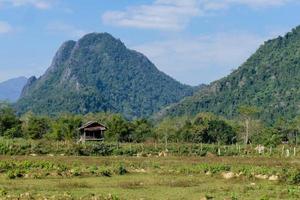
x=203 y=128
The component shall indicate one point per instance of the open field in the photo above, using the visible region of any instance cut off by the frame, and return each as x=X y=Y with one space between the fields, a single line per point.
x=149 y=177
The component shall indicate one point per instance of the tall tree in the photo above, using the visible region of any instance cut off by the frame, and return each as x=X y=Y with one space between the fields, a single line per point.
x=296 y=126
x=247 y=113
x=10 y=125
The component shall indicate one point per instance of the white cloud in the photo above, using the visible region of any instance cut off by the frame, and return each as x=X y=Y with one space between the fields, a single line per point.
x=162 y=14
x=212 y=5
x=203 y=58
x=5 y=27
x=39 y=4
x=176 y=14
x=70 y=30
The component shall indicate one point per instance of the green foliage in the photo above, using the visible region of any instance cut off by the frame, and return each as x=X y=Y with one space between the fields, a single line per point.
x=268 y=137
x=119 y=129
x=172 y=129
x=65 y=127
x=98 y=73
x=208 y=128
x=205 y=128
x=10 y=125
x=122 y=170
x=36 y=127
x=269 y=80
x=248 y=111
x=295 y=178
x=142 y=130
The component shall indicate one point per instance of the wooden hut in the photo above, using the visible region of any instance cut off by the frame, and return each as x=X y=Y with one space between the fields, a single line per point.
x=92 y=131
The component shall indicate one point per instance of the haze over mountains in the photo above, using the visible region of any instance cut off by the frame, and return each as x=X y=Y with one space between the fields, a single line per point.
x=10 y=90
x=269 y=80
x=98 y=73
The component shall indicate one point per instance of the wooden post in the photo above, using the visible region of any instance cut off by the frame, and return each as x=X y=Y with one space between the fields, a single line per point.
x=247 y=131
x=294 y=151
x=84 y=136
x=287 y=153
x=166 y=141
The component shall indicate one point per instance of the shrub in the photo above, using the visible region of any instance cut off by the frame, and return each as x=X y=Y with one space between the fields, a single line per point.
x=122 y=170
x=295 y=178
x=12 y=174
x=3 y=192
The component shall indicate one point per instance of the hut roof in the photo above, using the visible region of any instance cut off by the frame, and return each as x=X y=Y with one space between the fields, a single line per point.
x=93 y=126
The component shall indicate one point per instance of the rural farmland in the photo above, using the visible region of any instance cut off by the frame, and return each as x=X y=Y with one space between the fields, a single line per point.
x=149 y=100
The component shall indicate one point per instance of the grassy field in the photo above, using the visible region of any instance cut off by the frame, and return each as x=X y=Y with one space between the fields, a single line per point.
x=62 y=177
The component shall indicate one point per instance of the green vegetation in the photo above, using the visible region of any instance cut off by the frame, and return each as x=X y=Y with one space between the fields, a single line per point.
x=177 y=158
x=234 y=139
x=205 y=128
x=268 y=80
x=98 y=74
x=148 y=178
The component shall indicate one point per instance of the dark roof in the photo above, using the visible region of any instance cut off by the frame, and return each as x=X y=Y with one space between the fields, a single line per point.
x=93 y=125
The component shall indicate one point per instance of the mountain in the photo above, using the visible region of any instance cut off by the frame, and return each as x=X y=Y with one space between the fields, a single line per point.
x=269 y=80
x=10 y=90
x=98 y=73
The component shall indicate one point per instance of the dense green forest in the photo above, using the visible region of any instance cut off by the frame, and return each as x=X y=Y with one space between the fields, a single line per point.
x=204 y=128
x=258 y=102
x=99 y=74
x=269 y=80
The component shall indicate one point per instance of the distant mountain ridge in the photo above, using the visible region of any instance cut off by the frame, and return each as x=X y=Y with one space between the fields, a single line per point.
x=98 y=73
x=10 y=90
x=269 y=80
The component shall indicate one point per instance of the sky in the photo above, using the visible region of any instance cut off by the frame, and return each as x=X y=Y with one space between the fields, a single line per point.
x=194 y=41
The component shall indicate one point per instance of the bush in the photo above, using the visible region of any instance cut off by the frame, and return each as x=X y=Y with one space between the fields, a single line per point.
x=12 y=174
x=295 y=178
x=122 y=170
x=3 y=192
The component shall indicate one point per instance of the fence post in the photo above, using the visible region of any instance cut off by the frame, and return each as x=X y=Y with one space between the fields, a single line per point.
x=287 y=153
x=295 y=151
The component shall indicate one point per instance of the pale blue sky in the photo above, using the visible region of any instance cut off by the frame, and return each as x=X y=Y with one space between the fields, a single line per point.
x=194 y=41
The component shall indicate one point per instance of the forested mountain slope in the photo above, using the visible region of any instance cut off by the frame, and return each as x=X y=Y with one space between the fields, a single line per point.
x=269 y=80
x=98 y=73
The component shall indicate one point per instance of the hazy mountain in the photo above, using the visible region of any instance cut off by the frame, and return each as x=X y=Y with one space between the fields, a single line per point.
x=10 y=90
x=269 y=80
x=98 y=73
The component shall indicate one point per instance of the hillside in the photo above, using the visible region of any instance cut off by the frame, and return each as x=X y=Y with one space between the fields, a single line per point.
x=98 y=73
x=269 y=80
x=10 y=90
